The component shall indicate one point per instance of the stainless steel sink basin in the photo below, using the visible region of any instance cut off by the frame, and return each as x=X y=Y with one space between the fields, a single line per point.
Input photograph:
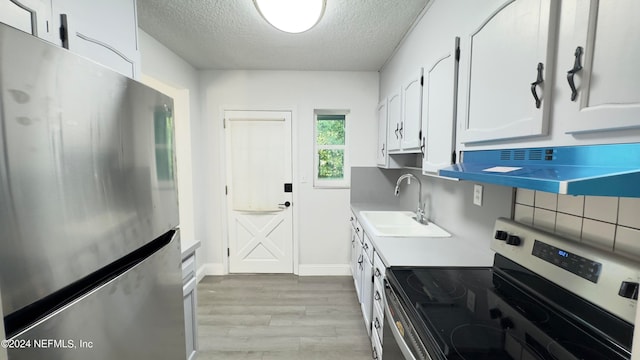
x=400 y=224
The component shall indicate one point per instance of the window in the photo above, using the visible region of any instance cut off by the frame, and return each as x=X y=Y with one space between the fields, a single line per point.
x=164 y=145
x=331 y=168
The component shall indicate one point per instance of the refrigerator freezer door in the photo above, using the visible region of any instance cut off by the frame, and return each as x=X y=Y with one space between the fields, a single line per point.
x=86 y=167
x=137 y=315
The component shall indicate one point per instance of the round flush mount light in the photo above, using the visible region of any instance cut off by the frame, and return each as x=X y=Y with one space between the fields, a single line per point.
x=292 y=16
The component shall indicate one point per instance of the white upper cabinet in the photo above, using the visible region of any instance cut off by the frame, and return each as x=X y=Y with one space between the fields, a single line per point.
x=30 y=16
x=102 y=30
x=604 y=41
x=382 y=157
x=506 y=84
x=394 y=119
x=411 y=113
x=439 y=110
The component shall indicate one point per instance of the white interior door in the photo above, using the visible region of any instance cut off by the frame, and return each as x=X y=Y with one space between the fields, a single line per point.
x=260 y=219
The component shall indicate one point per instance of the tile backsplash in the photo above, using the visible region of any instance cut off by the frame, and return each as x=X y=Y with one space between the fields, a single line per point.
x=610 y=223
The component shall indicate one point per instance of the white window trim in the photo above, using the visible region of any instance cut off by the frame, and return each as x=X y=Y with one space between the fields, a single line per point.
x=345 y=182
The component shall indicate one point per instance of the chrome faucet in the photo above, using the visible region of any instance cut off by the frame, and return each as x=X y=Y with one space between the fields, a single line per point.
x=420 y=215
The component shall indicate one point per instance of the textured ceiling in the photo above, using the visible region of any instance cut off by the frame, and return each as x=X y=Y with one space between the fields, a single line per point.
x=231 y=34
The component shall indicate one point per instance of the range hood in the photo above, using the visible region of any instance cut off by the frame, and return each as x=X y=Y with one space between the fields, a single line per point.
x=604 y=170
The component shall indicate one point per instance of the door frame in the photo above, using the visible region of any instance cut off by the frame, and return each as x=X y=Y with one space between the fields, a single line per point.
x=222 y=176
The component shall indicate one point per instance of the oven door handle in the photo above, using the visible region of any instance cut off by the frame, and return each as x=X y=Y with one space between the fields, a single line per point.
x=404 y=348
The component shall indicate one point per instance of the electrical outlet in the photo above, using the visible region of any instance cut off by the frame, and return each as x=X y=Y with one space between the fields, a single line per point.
x=477 y=195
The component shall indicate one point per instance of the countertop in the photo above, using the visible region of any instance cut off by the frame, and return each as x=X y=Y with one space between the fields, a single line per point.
x=189 y=247
x=407 y=251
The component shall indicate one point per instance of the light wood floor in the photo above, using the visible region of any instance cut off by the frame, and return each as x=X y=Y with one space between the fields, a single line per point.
x=280 y=317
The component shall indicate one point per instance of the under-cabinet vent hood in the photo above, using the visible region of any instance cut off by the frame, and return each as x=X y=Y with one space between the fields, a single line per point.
x=605 y=170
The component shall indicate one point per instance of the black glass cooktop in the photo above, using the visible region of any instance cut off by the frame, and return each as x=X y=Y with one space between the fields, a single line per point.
x=482 y=313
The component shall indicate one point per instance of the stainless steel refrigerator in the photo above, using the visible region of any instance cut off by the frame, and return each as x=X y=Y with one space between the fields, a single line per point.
x=90 y=248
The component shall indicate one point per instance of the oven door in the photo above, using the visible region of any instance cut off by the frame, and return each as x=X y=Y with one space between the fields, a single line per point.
x=399 y=337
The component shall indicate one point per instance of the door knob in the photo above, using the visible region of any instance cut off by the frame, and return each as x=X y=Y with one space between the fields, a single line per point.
x=286 y=204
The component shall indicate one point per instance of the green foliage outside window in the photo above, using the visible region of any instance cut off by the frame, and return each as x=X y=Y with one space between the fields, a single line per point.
x=331 y=164
x=330 y=132
x=163 y=126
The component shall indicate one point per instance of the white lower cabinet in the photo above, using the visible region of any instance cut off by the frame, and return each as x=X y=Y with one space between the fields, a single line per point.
x=368 y=273
x=376 y=348
x=357 y=257
x=377 y=322
x=367 y=282
x=189 y=283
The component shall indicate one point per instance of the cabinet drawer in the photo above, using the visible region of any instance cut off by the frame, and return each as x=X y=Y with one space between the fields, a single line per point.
x=377 y=322
x=378 y=268
x=367 y=246
x=356 y=227
x=378 y=295
x=376 y=347
x=189 y=267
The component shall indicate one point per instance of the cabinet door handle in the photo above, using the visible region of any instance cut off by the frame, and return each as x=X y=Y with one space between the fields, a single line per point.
x=401 y=128
x=396 y=132
x=377 y=272
x=366 y=246
x=422 y=147
x=576 y=67
x=64 y=31
x=360 y=259
x=374 y=354
x=376 y=323
x=377 y=296
x=382 y=149
x=534 y=85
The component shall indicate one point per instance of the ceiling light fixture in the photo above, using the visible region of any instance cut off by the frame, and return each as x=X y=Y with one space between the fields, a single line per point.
x=292 y=16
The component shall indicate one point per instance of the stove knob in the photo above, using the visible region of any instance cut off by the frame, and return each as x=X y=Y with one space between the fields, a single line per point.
x=495 y=313
x=513 y=240
x=629 y=290
x=501 y=235
x=506 y=323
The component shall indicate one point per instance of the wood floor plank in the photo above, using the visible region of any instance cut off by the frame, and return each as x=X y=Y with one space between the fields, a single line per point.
x=282 y=317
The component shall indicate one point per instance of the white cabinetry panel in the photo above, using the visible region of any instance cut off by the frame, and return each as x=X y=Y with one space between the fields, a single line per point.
x=439 y=110
x=102 y=30
x=411 y=113
x=607 y=86
x=509 y=51
x=30 y=16
x=382 y=157
x=394 y=118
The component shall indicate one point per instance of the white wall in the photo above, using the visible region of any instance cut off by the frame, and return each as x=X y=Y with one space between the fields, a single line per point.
x=322 y=214
x=160 y=63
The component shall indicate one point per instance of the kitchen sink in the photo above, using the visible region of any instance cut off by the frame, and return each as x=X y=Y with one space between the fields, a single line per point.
x=400 y=224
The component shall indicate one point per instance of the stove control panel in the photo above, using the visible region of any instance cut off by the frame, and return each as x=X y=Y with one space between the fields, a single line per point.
x=606 y=279
x=583 y=267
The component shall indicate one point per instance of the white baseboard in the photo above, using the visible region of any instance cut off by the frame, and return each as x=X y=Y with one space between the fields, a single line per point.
x=324 y=270
x=210 y=269
x=303 y=270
